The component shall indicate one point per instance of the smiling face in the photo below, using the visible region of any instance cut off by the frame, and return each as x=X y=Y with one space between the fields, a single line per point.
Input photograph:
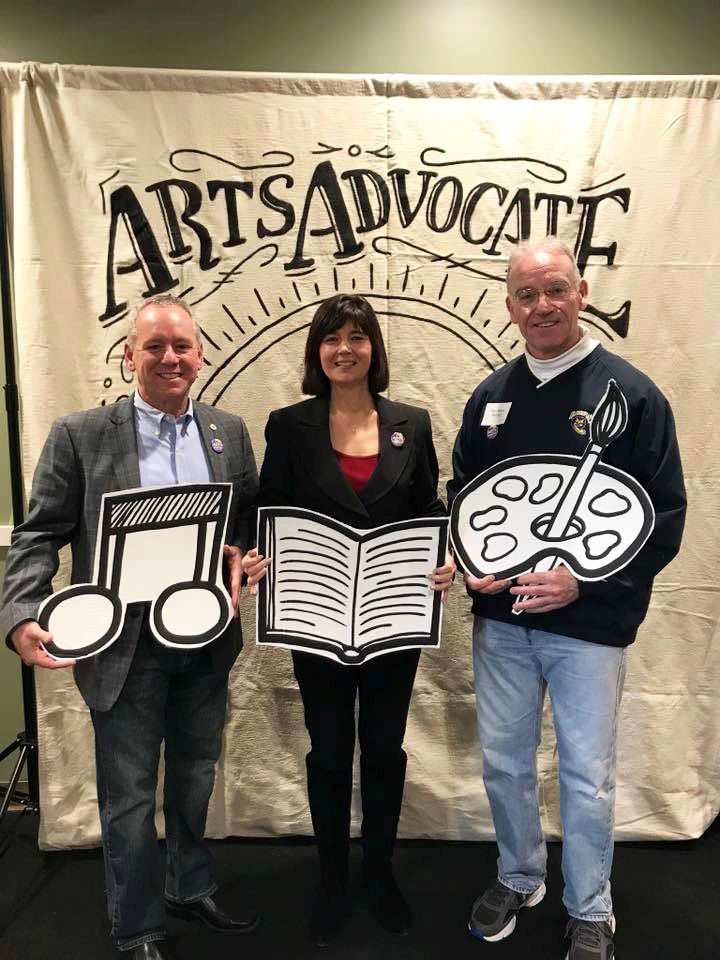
x=544 y=300
x=345 y=355
x=165 y=355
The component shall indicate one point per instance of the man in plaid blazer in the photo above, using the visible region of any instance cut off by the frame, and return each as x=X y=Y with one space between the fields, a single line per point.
x=140 y=693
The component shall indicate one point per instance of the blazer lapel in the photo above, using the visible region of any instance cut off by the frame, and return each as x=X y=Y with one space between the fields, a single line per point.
x=393 y=456
x=123 y=443
x=319 y=459
x=208 y=432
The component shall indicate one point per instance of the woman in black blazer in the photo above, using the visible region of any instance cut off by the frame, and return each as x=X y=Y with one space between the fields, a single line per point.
x=352 y=455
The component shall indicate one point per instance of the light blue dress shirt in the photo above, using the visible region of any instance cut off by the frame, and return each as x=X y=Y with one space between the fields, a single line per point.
x=170 y=449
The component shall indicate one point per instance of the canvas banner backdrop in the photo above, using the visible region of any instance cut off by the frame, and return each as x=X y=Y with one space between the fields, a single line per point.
x=255 y=196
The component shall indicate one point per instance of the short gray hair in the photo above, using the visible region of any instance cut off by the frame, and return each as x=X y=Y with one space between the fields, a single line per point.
x=546 y=245
x=160 y=300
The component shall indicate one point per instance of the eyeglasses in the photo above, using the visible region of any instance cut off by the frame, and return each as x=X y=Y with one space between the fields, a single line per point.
x=558 y=292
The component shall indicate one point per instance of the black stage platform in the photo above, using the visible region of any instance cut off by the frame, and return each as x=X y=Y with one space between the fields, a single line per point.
x=667 y=900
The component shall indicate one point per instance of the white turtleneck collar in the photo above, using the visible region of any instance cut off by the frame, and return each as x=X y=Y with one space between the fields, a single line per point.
x=545 y=370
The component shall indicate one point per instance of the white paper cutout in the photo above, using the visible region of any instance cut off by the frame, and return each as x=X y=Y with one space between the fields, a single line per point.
x=161 y=547
x=347 y=594
x=533 y=512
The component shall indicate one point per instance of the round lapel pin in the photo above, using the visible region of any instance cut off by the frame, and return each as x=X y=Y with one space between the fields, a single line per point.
x=492 y=432
x=217 y=444
x=397 y=439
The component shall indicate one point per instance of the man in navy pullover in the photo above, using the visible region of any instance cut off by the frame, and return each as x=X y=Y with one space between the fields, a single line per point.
x=572 y=635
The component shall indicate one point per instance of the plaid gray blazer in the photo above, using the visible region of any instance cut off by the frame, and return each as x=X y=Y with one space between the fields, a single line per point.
x=87 y=454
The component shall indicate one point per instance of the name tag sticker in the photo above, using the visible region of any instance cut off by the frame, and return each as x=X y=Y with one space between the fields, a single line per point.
x=495 y=414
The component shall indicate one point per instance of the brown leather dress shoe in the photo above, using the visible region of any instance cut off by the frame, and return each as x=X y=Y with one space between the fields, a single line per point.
x=208 y=912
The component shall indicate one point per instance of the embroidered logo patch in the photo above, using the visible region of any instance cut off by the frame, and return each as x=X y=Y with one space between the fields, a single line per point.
x=580 y=422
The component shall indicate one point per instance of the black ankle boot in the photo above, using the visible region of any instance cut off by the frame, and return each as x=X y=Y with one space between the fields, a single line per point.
x=390 y=907
x=329 y=915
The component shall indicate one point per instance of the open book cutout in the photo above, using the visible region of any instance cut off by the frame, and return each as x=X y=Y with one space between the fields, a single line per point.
x=348 y=594
x=158 y=547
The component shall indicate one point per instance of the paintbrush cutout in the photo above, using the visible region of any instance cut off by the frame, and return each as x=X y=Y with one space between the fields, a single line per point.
x=608 y=422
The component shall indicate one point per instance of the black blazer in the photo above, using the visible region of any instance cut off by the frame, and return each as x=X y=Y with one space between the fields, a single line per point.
x=301 y=470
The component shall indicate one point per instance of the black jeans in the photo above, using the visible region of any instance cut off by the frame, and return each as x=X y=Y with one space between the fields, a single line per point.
x=174 y=696
x=383 y=687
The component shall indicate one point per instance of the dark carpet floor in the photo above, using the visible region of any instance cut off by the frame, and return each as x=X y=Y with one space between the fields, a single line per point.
x=667 y=901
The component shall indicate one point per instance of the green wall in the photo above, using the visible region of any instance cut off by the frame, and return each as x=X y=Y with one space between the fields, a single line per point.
x=376 y=36
x=397 y=36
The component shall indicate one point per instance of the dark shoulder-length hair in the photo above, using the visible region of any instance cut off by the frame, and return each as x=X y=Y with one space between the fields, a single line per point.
x=332 y=314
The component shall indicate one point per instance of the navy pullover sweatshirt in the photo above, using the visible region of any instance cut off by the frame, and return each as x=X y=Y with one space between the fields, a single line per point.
x=540 y=420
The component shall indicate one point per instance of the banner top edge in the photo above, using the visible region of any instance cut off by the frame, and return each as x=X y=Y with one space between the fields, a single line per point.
x=509 y=86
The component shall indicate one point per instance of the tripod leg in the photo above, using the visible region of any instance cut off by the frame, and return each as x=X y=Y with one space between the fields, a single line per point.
x=12 y=783
x=15 y=745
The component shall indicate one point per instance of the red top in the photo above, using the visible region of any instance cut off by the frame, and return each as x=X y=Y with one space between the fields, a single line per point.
x=357 y=470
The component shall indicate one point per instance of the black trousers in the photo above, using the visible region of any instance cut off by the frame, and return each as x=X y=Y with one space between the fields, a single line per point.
x=383 y=687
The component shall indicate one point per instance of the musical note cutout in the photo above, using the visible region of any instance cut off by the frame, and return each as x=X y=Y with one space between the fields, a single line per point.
x=533 y=512
x=159 y=547
x=346 y=594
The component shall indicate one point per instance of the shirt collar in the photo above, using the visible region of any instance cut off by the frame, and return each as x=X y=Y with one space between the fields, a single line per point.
x=545 y=370
x=156 y=415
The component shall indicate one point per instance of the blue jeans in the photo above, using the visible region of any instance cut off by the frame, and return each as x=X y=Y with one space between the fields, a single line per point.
x=173 y=696
x=513 y=667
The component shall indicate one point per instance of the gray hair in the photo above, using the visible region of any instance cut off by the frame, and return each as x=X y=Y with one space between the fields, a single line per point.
x=160 y=300
x=546 y=245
